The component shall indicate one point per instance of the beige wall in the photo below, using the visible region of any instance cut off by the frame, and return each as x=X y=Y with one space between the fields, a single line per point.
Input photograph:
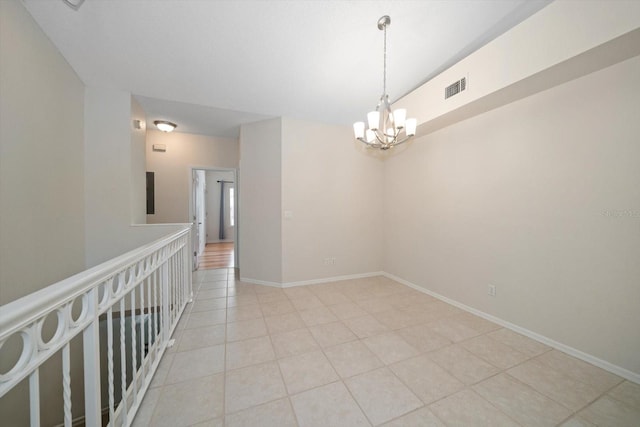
x=260 y=201
x=138 y=165
x=108 y=164
x=113 y=178
x=41 y=159
x=173 y=169
x=307 y=193
x=41 y=186
x=334 y=192
x=539 y=198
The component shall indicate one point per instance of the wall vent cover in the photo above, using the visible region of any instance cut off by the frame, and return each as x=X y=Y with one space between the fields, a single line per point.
x=455 y=88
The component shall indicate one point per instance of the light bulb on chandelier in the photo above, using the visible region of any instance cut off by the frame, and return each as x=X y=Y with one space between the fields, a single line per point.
x=385 y=128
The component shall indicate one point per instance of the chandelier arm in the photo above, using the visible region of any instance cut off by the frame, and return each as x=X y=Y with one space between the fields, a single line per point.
x=380 y=143
x=402 y=141
x=365 y=141
x=395 y=141
x=370 y=144
x=380 y=140
x=383 y=140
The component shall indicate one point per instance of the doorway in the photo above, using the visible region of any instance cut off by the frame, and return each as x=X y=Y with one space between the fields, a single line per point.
x=214 y=213
x=217 y=255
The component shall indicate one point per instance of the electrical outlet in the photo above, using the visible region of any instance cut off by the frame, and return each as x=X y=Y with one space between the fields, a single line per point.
x=329 y=261
x=492 y=290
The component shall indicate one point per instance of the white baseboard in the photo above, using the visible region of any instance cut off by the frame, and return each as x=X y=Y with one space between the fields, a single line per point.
x=311 y=282
x=331 y=279
x=607 y=366
x=260 y=282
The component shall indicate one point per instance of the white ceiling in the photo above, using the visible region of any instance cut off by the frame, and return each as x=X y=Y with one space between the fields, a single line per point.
x=210 y=65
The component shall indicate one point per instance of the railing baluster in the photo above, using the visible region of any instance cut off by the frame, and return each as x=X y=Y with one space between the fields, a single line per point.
x=142 y=329
x=150 y=324
x=171 y=289
x=34 y=398
x=123 y=358
x=156 y=314
x=182 y=288
x=169 y=295
x=174 y=283
x=164 y=284
x=134 y=361
x=187 y=269
x=166 y=299
x=179 y=292
x=110 y=363
x=174 y=290
x=185 y=289
x=183 y=272
x=179 y=286
x=186 y=249
x=91 y=354
x=66 y=385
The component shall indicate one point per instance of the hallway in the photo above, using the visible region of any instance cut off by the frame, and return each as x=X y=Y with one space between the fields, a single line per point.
x=217 y=255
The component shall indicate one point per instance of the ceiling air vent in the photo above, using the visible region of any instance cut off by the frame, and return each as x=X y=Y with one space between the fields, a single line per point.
x=455 y=88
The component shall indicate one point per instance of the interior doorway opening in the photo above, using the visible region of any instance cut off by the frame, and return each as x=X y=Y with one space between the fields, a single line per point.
x=214 y=213
x=218 y=255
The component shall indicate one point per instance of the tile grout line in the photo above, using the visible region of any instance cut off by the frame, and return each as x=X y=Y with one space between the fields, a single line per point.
x=343 y=380
x=339 y=380
x=469 y=387
x=224 y=365
x=286 y=388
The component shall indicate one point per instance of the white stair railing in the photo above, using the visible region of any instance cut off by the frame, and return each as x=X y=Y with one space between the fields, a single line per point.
x=130 y=305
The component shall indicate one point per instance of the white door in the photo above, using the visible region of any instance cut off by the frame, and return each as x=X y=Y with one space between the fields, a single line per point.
x=199 y=218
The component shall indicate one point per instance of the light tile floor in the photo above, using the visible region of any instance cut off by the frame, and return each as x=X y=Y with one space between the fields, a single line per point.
x=366 y=352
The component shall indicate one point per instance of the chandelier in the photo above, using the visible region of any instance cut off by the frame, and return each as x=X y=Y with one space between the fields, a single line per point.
x=386 y=128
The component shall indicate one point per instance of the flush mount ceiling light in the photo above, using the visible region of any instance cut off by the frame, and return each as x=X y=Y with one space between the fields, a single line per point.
x=386 y=128
x=165 y=126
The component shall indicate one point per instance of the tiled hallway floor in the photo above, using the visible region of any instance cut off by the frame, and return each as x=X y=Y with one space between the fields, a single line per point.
x=366 y=352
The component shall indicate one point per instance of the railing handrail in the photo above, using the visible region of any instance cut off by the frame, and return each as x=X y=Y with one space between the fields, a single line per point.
x=15 y=314
x=153 y=281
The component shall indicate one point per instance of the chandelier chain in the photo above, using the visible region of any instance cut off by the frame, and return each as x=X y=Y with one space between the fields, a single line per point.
x=384 y=75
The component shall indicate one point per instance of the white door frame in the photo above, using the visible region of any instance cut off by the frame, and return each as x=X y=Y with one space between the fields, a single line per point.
x=236 y=244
